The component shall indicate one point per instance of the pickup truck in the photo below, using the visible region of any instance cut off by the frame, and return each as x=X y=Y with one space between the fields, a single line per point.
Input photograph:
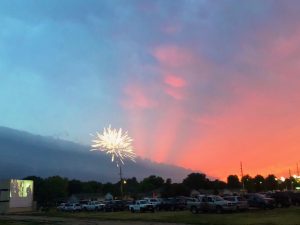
x=93 y=206
x=195 y=205
x=153 y=201
x=241 y=203
x=141 y=206
x=217 y=204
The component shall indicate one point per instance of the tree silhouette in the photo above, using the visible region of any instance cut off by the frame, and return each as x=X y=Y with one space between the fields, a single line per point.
x=248 y=183
x=259 y=183
x=196 y=181
x=233 y=182
x=271 y=182
x=151 y=183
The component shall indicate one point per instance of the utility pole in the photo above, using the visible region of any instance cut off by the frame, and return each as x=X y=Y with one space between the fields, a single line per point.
x=242 y=175
x=121 y=182
x=291 y=179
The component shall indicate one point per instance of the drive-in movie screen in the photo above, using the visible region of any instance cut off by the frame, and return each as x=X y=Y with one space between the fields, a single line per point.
x=21 y=193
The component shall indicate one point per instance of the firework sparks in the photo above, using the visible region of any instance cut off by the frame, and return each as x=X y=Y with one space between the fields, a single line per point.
x=115 y=143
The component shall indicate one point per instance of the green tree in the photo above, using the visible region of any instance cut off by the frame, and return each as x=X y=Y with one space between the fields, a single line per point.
x=196 y=181
x=132 y=186
x=233 y=182
x=271 y=182
x=151 y=183
x=74 y=187
x=178 y=190
x=259 y=183
x=167 y=188
x=289 y=183
x=56 y=189
x=92 y=187
x=248 y=183
x=111 y=188
x=218 y=185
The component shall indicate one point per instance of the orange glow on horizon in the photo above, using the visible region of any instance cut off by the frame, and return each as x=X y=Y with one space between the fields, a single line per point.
x=254 y=122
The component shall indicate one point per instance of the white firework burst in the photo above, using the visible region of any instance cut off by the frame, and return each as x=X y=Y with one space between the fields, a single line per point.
x=115 y=143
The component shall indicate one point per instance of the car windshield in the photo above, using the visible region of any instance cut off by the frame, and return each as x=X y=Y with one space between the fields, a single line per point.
x=143 y=202
x=241 y=199
x=260 y=195
x=230 y=199
x=218 y=198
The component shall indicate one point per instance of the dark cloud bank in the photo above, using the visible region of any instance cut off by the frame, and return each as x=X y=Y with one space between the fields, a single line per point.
x=23 y=154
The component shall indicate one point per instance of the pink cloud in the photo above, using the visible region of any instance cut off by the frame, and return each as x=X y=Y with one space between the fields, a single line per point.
x=250 y=116
x=174 y=81
x=173 y=56
x=136 y=98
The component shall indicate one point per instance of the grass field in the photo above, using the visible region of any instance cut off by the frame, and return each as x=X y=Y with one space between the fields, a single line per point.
x=290 y=216
x=12 y=222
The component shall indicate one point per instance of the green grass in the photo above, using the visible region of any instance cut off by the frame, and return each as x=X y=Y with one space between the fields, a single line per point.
x=23 y=222
x=290 y=216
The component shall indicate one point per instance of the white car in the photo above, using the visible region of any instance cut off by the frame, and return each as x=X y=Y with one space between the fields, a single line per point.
x=241 y=203
x=72 y=207
x=141 y=206
x=61 y=206
x=93 y=206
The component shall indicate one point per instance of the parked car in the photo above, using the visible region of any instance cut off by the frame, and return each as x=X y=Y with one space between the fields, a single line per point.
x=93 y=206
x=141 y=206
x=72 y=207
x=114 y=206
x=154 y=201
x=282 y=199
x=295 y=197
x=61 y=206
x=195 y=205
x=260 y=201
x=127 y=203
x=215 y=203
x=172 y=204
x=241 y=203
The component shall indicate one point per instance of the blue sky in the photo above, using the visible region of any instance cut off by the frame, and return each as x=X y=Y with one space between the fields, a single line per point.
x=205 y=76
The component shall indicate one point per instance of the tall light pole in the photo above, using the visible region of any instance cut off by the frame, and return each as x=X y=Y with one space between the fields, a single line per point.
x=121 y=182
x=118 y=145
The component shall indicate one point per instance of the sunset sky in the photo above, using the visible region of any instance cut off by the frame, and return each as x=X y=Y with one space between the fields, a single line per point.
x=199 y=84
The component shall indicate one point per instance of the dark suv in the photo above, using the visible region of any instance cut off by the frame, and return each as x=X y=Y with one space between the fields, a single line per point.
x=282 y=199
x=295 y=197
x=114 y=206
x=172 y=204
x=260 y=201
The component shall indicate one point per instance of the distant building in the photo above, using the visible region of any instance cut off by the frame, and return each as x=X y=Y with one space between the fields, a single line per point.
x=16 y=196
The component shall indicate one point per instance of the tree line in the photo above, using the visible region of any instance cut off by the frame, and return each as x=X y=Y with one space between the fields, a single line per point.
x=48 y=191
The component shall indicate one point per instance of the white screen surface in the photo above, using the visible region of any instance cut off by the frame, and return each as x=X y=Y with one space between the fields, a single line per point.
x=21 y=193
